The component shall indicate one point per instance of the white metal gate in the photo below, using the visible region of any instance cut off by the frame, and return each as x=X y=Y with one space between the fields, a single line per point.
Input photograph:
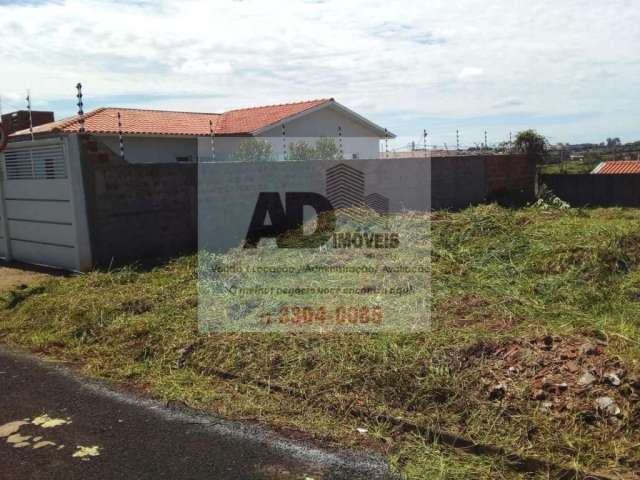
x=36 y=205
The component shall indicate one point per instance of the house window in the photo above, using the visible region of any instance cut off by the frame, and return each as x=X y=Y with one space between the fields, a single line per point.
x=187 y=158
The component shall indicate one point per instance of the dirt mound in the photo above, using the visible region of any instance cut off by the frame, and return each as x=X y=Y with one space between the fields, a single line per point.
x=472 y=309
x=563 y=374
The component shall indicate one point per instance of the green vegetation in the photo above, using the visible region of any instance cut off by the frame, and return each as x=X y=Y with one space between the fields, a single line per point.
x=533 y=144
x=524 y=302
x=324 y=149
x=253 y=150
x=574 y=166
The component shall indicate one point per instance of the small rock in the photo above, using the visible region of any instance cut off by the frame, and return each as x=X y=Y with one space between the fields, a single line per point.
x=362 y=430
x=562 y=386
x=512 y=371
x=602 y=403
x=586 y=379
x=546 y=406
x=612 y=379
x=607 y=406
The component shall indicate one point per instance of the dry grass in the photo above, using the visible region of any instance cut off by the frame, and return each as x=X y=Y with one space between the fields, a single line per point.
x=16 y=278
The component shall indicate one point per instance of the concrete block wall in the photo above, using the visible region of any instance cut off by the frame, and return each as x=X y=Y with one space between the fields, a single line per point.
x=150 y=210
x=595 y=190
x=137 y=211
x=457 y=182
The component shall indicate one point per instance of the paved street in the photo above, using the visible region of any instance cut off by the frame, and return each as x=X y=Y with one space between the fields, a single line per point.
x=56 y=426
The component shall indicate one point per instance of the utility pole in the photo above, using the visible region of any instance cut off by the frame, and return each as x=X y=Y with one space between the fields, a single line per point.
x=486 y=145
x=458 y=141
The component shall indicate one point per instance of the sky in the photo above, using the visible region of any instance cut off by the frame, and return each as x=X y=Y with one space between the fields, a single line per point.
x=570 y=68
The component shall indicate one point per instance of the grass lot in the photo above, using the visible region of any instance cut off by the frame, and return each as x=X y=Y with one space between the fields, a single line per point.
x=525 y=303
x=573 y=166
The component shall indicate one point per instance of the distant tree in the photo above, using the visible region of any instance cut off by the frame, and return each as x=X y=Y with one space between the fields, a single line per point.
x=533 y=144
x=613 y=142
x=502 y=147
x=326 y=149
x=253 y=150
x=301 y=152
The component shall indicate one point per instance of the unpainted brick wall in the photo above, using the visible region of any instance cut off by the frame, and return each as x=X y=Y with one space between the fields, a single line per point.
x=140 y=211
x=511 y=174
x=460 y=181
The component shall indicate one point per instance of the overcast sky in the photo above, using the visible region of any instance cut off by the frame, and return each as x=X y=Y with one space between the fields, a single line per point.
x=570 y=68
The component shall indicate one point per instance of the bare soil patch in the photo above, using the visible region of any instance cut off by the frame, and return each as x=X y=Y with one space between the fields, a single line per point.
x=16 y=277
x=564 y=375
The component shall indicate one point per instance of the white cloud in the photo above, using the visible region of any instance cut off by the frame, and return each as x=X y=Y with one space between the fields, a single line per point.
x=470 y=72
x=197 y=67
x=382 y=58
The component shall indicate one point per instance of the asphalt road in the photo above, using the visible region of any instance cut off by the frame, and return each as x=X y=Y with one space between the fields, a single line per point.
x=54 y=425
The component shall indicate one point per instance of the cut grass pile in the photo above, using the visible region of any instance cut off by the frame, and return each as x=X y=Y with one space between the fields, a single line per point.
x=525 y=302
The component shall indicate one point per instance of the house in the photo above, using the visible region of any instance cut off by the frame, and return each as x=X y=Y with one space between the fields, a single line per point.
x=47 y=186
x=155 y=136
x=619 y=167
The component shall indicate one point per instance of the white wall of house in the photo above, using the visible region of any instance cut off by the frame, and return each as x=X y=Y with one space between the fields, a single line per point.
x=357 y=138
x=323 y=123
x=224 y=147
x=363 y=147
x=353 y=147
x=157 y=149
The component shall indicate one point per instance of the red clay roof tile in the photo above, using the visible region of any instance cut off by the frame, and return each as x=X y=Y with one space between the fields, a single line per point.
x=248 y=120
x=618 y=167
x=158 y=122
